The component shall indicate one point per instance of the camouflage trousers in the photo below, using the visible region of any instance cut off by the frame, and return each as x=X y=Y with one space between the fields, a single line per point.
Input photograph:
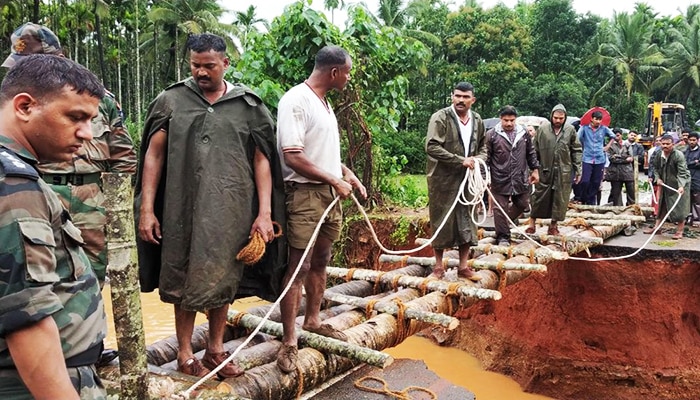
x=85 y=203
x=84 y=379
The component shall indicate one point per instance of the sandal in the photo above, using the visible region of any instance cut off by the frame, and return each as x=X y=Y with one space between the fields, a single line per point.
x=328 y=331
x=287 y=357
x=648 y=231
x=467 y=273
x=230 y=370
x=677 y=236
x=193 y=367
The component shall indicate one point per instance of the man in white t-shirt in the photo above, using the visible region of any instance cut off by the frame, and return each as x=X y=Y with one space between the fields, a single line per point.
x=309 y=140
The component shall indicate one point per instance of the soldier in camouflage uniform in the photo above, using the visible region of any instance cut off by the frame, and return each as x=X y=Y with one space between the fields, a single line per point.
x=77 y=181
x=52 y=319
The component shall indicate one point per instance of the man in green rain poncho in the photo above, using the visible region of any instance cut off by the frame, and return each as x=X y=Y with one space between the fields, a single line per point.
x=671 y=169
x=209 y=178
x=559 y=152
x=455 y=139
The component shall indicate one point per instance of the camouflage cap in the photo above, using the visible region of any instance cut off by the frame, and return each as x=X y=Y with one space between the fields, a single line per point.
x=31 y=38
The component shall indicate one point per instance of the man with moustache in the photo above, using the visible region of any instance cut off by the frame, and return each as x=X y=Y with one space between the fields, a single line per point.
x=455 y=139
x=52 y=319
x=621 y=170
x=692 y=159
x=559 y=152
x=210 y=179
x=670 y=169
x=510 y=157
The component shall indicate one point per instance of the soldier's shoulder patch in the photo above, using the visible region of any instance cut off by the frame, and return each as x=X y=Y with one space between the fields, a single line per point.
x=15 y=166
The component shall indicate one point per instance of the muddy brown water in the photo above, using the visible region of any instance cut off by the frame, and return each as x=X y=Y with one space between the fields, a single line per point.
x=451 y=364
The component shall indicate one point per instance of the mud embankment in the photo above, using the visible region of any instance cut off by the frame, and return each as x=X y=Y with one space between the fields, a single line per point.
x=627 y=329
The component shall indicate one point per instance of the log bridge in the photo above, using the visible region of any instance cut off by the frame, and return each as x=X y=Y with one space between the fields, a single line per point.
x=377 y=310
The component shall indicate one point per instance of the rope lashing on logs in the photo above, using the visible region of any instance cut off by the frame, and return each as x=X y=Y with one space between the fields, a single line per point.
x=480 y=233
x=578 y=223
x=236 y=320
x=369 y=309
x=351 y=272
x=452 y=293
x=487 y=249
x=255 y=249
x=300 y=381
x=532 y=255
x=403 y=324
x=377 y=282
x=404 y=394
x=404 y=261
x=637 y=209
x=395 y=282
x=423 y=287
x=501 y=275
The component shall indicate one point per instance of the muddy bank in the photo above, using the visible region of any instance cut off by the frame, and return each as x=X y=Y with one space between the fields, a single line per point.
x=625 y=329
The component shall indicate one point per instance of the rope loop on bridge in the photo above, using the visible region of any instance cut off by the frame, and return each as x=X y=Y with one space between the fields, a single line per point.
x=236 y=320
x=403 y=325
x=487 y=249
x=377 y=282
x=349 y=275
x=423 y=287
x=452 y=293
x=532 y=255
x=395 y=282
x=404 y=261
x=369 y=309
x=404 y=394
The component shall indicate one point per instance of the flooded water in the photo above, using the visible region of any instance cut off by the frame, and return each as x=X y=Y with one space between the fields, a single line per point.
x=159 y=323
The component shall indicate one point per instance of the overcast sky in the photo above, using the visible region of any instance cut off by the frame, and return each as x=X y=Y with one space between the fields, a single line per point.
x=268 y=9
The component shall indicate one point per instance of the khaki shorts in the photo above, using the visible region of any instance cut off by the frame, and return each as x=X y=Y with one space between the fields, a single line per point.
x=305 y=203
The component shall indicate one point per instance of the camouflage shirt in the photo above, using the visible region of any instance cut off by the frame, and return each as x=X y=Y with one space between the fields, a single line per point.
x=43 y=270
x=110 y=150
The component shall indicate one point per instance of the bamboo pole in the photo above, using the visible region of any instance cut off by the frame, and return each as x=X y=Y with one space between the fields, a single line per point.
x=124 y=285
x=425 y=316
x=609 y=215
x=328 y=345
x=541 y=255
x=598 y=222
x=616 y=209
x=466 y=289
x=473 y=263
x=267 y=382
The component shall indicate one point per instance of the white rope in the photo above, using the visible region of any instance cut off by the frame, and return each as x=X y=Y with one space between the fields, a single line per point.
x=651 y=236
x=187 y=392
x=475 y=183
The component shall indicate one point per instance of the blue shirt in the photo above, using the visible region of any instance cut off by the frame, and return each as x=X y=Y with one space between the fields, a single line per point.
x=593 y=142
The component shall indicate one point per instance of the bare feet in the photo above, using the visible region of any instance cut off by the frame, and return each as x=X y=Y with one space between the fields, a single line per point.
x=678 y=235
x=530 y=230
x=648 y=231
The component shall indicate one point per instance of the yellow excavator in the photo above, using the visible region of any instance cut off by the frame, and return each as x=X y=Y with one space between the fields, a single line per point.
x=662 y=118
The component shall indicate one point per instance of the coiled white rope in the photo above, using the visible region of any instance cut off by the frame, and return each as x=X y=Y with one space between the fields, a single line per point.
x=475 y=184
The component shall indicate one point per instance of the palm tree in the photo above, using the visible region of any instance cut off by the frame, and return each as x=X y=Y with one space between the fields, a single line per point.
x=332 y=5
x=174 y=20
x=392 y=13
x=683 y=75
x=245 y=22
x=629 y=52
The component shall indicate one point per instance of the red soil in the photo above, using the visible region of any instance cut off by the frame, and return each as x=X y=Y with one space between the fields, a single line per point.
x=609 y=330
x=627 y=329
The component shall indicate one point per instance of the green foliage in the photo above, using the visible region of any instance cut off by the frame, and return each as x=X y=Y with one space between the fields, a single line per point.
x=401 y=230
x=539 y=95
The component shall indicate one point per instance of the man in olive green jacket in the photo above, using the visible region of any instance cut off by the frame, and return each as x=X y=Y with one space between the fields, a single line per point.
x=559 y=152
x=455 y=139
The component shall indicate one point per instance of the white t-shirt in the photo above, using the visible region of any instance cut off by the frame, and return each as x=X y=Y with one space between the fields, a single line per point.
x=465 y=130
x=307 y=123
